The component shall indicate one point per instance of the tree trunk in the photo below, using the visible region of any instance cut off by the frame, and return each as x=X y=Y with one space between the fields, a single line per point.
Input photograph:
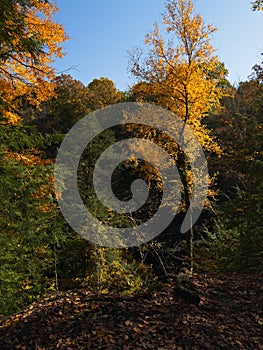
x=182 y=162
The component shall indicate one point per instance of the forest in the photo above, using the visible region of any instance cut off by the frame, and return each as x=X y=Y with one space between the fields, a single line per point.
x=201 y=289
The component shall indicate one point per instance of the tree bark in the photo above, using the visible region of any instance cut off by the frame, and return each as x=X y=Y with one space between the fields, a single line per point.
x=182 y=162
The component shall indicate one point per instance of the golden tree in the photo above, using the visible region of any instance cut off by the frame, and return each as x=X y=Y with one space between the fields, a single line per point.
x=26 y=54
x=182 y=74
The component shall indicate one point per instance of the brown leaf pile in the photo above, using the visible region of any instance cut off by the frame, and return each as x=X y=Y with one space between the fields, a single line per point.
x=230 y=316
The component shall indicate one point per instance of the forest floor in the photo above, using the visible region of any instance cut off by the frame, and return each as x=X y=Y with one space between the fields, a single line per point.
x=230 y=316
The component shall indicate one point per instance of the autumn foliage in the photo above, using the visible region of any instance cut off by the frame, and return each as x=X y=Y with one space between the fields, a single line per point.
x=27 y=54
x=177 y=69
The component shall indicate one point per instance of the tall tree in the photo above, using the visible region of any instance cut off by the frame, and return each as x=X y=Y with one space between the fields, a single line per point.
x=104 y=93
x=30 y=39
x=181 y=73
x=71 y=103
x=235 y=242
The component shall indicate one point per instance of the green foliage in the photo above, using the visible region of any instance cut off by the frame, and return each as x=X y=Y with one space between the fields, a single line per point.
x=70 y=104
x=29 y=220
x=218 y=251
x=104 y=93
x=26 y=257
x=233 y=248
x=236 y=242
x=113 y=270
x=39 y=253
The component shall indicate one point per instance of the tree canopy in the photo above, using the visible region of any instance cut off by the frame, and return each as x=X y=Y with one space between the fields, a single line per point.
x=184 y=78
x=30 y=39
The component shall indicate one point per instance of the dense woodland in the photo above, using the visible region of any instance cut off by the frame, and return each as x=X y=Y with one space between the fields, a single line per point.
x=40 y=253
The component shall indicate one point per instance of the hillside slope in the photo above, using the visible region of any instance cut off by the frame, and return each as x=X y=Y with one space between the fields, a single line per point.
x=230 y=316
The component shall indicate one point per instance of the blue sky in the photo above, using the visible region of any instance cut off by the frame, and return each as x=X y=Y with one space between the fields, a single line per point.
x=103 y=31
